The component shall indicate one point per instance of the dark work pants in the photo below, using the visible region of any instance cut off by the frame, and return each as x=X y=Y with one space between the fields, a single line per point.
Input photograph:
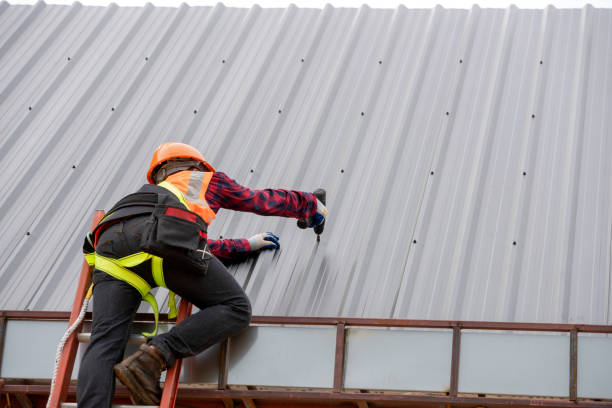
x=224 y=311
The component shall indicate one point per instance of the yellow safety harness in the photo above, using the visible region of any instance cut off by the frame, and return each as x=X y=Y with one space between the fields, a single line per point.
x=118 y=268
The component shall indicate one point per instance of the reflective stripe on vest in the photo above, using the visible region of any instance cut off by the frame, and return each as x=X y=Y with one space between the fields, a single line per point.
x=193 y=186
x=117 y=268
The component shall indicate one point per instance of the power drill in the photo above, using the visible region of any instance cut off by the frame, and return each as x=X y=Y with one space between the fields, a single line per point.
x=303 y=223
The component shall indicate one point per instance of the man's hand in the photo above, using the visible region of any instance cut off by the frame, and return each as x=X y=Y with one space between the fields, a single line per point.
x=265 y=240
x=319 y=217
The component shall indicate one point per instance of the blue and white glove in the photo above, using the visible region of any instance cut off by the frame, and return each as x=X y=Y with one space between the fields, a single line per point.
x=315 y=220
x=265 y=240
x=319 y=217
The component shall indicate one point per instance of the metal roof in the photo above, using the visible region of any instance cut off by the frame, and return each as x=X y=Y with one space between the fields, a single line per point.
x=465 y=152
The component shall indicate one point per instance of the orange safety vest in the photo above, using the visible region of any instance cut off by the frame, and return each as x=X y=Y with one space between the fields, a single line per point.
x=193 y=185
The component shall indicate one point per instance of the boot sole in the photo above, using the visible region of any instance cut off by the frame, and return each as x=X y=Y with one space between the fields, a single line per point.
x=138 y=394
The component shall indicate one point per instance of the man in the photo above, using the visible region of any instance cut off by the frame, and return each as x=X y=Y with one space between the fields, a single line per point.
x=157 y=237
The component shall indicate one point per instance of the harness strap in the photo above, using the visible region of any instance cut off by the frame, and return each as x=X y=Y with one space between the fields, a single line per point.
x=117 y=268
x=158 y=276
x=174 y=190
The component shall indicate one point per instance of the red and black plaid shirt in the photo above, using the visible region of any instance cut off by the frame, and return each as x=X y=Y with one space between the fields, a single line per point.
x=224 y=192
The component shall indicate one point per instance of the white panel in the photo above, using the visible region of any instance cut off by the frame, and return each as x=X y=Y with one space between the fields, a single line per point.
x=521 y=364
x=203 y=368
x=34 y=358
x=284 y=356
x=594 y=367
x=398 y=359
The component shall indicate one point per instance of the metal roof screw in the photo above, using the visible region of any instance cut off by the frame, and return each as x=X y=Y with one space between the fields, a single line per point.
x=362 y=113
x=302 y=60
x=195 y=111
x=414 y=242
x=251 y=170
x=532 y=116
x=68 y=58
x=220 y=236
x=514 y=243
x=524 y=173
x=146 y=58
x=223 y=61
x=380 y=62
x=280 y=111
x=74 y=166
x=341 y=170
x=541 y=62
x=447 y=113
x=461 y=61
x=29 y=108
x=432 y=173
x=28 y=233
x=113 y=109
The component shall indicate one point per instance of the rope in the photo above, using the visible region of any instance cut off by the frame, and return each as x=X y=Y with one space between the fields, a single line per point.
x=62 y=343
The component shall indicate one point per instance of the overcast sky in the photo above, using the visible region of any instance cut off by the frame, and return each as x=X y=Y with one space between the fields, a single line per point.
x=341 y=3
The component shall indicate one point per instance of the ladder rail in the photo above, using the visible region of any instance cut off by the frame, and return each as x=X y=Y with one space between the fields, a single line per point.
x=173 y=375
x=66 y=362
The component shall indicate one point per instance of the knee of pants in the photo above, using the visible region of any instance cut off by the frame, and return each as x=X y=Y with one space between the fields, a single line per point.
x=242 y=307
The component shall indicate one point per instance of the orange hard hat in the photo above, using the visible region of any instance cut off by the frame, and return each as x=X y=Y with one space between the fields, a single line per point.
x=174 y=150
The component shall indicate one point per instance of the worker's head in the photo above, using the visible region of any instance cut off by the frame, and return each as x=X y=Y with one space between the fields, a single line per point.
x=170 y=158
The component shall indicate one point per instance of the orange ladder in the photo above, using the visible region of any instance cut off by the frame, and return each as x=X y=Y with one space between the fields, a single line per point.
x=59 y=393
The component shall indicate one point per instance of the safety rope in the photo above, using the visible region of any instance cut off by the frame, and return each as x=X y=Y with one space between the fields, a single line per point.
x=62 y=343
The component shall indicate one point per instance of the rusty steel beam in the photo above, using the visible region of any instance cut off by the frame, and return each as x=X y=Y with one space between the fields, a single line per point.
x=339 y=357
x=191 y=394
x=573 y=365
x=15 y=387
x=2 y=335
x=54 y=315
x=333 y=321
x=224 y=358
x=430 y=400
x=432 y=324
x=35 y=315
x=456 y=352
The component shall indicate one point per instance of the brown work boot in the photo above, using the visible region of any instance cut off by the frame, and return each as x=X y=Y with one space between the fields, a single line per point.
x=140 y=373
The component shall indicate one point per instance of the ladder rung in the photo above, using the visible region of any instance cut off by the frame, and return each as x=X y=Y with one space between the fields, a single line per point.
x=133 y=339
x=73 y=404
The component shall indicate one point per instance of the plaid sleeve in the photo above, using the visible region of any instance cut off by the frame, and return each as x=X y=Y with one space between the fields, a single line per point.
x=224 y=192
x=228 y=248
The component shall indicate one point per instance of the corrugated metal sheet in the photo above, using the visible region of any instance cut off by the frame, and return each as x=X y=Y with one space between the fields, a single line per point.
x=466 y=153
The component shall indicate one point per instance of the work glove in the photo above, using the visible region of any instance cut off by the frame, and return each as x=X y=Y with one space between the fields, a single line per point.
x=318 y=218
x=265 y=240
